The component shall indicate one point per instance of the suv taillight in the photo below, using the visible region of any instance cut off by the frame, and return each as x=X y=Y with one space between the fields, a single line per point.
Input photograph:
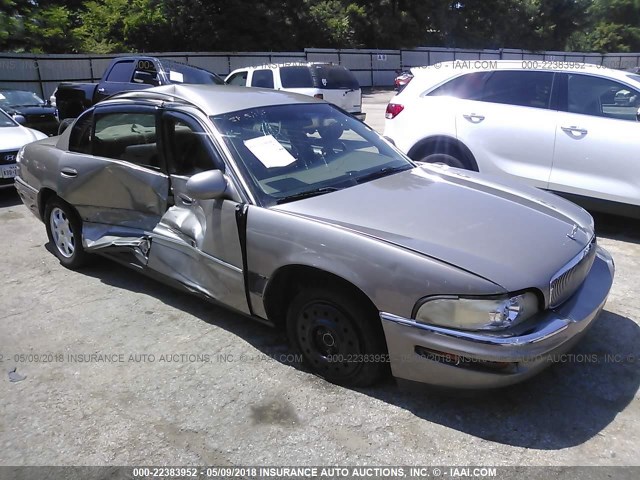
x=393 y=109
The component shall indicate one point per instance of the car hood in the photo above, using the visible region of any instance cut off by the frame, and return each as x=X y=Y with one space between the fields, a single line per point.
x=515 y=236
x=31 y=110
x=12 y=138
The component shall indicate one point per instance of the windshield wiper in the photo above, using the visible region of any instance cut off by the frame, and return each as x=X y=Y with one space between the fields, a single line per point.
x=307 y=194
x=383 y=172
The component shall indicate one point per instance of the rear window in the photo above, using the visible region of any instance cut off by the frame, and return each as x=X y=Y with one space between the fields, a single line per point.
x=296 y=77
x=181 y=73
x=333 y=77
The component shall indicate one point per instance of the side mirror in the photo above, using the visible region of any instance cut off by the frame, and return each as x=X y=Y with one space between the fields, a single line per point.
x=207 y=185
x=20 y=119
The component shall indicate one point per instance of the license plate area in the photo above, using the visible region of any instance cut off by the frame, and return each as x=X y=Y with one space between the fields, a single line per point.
x=8 y=171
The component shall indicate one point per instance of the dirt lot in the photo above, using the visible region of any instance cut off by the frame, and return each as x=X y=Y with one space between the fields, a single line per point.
x=175 y=380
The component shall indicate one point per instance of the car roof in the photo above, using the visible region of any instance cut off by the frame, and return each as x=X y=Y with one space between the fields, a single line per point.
x=219 y=99
x=454 y=68
x=275 y=66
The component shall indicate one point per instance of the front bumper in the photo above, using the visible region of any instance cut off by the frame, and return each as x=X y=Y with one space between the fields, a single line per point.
x=461 y=359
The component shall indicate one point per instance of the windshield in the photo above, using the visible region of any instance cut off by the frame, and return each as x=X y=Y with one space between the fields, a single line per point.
x=287 y=152
x=633 y=76
x=180 y=73
x=6 y=120
x=19 y=98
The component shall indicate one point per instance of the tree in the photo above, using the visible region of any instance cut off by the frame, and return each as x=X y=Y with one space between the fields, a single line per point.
x=614 y=26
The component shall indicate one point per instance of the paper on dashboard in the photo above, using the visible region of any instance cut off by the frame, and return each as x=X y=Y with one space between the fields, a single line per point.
x=269 y=151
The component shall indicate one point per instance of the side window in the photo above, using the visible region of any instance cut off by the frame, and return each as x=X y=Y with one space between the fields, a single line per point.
x=239 y=79
x=601 y=97
x=80 y=137
x=121 y=72
x=189 y=146
x=128 y=136
x=296 y=77
x=522 y=88
x=262 y=78
x=468 y=87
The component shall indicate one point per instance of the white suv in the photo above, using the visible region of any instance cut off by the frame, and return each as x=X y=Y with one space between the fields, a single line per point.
x=333 y=83
x=567 y=127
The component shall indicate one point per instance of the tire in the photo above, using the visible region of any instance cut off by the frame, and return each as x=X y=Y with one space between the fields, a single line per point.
x=446 y=159
x=64 y=229
x=339 y=337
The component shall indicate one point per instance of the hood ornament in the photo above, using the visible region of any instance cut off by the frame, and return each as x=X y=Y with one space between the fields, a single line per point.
x=574 y=230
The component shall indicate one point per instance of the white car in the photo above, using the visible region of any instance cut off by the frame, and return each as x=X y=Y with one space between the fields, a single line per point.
x=571 y=128
x=327 y=81
x=13 y=136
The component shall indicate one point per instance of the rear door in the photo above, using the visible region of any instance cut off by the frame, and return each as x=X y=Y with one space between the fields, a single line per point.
x=508 y=123
x=597 y=150
x=196 y=242
x=262 y=78
x=113 y=173
x=338 y=86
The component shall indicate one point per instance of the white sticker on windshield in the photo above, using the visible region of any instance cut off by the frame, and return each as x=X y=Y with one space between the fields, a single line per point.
x=176 y=76
x=2 y=97
x=269 y=151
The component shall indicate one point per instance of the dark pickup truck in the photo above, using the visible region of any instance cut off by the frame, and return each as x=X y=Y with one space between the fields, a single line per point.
x=128 y=73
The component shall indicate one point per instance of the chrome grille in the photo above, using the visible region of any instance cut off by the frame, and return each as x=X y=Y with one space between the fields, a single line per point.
x=570 y=277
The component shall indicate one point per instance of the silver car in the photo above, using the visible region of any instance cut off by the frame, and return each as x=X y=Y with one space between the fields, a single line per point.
x=284 y=208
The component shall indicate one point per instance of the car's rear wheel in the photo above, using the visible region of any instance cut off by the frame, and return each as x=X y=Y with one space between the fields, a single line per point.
x=337 y=336
x=64 y=229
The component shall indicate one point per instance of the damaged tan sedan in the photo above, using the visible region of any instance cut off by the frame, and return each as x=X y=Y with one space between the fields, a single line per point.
x=296 y=214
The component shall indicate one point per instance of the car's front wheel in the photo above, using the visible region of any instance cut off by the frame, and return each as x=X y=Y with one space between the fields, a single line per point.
x=337 y=336
x=64 y=229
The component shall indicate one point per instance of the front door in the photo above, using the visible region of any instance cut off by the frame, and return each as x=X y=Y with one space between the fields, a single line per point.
x=196 y=242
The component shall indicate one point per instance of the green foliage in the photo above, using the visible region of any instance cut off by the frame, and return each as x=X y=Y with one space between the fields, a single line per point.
x=108 y=26
x=614 y=26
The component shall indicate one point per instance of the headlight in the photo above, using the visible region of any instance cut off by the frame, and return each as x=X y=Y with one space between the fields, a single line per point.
x=20 y=155
x=478 y=313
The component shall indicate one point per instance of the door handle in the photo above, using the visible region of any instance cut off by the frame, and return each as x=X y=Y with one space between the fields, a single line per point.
x=69 y=172
x=101 y=89
x=185 y=199
x=573 y=130
x=474 y=118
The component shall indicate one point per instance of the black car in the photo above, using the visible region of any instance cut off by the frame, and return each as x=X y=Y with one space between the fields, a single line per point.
x=30 y=110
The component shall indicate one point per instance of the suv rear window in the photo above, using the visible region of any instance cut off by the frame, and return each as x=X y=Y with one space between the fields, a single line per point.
x=333 y=77
x=296 y=77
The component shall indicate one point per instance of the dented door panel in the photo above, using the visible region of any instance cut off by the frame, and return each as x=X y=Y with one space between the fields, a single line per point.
x=113 y=192
x=197 y=243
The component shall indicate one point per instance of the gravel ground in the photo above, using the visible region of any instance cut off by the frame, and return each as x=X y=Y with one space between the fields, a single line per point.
x=175 y=380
